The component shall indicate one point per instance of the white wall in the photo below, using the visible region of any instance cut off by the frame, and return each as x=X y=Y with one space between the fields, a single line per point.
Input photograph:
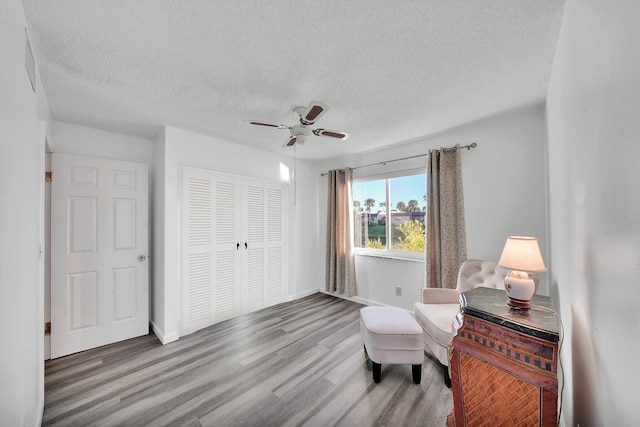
x=504 y=186
x=594 y=187
x=184 y=148
x=305 y=266
x=21 y=228
x=80 y=140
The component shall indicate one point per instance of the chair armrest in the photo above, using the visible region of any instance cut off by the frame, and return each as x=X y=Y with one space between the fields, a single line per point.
x=440 y=296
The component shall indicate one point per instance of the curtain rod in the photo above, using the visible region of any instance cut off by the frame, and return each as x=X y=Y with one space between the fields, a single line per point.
x=446 y=150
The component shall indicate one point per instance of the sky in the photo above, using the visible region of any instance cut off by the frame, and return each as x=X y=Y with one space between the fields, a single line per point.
x=403 y=189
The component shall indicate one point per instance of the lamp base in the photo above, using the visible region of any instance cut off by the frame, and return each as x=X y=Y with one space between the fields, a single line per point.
x=519 y=288
x=518 y=304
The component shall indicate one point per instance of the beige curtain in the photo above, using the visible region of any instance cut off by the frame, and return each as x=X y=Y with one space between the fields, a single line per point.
x=340 y=274
x=446 y=247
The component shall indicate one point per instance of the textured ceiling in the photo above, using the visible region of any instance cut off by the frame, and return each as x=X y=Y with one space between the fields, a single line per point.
x=390 y=72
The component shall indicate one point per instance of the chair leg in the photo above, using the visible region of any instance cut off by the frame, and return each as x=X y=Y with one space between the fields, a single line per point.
x=377 y=369
x=417 y=373
x=447 y=379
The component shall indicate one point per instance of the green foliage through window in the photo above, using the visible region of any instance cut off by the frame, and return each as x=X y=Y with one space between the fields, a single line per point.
x=413 y=237
x=375 y=243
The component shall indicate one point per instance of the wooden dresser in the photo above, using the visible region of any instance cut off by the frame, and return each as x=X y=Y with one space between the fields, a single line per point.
x=504 y=362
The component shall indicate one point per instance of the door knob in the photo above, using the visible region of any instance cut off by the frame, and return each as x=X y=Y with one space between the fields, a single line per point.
x=141 y=257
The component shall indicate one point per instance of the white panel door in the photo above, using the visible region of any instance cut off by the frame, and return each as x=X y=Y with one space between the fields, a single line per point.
x=99 y=245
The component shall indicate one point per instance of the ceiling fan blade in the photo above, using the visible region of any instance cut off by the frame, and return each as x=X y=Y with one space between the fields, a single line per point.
x=269 y=125
x=314 y=112
x=292 y=140
x=331 y=133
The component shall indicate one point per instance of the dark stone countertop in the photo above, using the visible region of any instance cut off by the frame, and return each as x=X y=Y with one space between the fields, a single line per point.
x=491 y=304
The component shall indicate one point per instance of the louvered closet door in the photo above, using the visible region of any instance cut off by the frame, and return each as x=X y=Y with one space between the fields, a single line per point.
x=233 y=247
x=274 y=290
x=265 y=207
x=227 y=248
x=198 y=249
x=210 y=252
x=256 y=231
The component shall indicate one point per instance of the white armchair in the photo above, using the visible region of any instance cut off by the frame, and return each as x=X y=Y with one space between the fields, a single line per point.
x=438 y=308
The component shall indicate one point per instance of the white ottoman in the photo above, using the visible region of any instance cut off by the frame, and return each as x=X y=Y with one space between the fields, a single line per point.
x=391 y=335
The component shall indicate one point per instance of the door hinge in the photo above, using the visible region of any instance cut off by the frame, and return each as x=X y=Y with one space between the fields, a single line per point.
x=48 y=176
x=47 y=329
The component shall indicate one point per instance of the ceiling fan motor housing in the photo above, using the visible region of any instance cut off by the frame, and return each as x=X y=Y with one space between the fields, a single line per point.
x=300 y=132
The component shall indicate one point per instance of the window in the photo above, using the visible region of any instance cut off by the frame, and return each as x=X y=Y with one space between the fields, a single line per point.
x=389 y=215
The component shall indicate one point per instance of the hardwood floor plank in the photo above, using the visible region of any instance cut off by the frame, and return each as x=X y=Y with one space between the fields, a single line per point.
x=79 y=415
x=297 y=402
x=235 y=412
x=297 y=363
x=350 y=359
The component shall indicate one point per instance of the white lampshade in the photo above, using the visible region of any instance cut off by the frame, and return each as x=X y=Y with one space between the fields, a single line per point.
x=523 y=254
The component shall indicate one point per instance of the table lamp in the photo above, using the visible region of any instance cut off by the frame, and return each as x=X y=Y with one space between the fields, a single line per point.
x=521 y=255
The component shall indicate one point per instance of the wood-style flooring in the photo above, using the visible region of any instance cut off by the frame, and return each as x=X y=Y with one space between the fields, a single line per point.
x=297 y=363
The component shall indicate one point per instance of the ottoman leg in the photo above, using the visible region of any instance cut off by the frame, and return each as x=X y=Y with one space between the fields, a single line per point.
x=377 y=369
x=417 y=373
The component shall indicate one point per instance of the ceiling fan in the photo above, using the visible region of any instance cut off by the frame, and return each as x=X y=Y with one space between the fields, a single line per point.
x=307 y=116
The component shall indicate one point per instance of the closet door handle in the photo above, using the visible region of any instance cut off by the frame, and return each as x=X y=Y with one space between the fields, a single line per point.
x=237 y=246
x=245 y=245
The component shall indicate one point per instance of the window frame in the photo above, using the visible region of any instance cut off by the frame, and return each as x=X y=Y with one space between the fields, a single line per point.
x=387 y=252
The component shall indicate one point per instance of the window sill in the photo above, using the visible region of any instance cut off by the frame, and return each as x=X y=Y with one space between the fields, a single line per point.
x=399 y=258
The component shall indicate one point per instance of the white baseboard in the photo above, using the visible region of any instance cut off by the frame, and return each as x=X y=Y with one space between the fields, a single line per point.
x=354 y=299
x=40 y=408
x=164 y=339
x=302 y=294
x=359 y=300
x=322 y=291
